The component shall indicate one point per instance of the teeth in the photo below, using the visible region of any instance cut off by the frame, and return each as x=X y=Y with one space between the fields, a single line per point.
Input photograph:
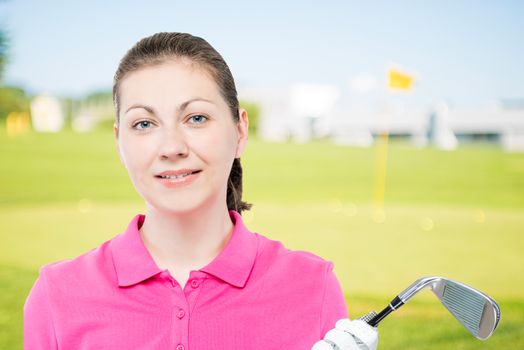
x=175 y=176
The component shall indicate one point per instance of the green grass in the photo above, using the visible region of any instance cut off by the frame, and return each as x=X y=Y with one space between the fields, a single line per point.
x=458 y=214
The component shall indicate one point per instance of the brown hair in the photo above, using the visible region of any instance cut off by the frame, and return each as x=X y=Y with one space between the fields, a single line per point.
x=160 y=47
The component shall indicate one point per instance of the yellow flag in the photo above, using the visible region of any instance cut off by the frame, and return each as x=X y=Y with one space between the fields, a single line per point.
x=399 y=80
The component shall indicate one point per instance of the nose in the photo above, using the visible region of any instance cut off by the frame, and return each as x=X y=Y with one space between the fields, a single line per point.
x=173 y=144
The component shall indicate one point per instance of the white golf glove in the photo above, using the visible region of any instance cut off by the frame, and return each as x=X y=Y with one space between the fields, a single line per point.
x=349 y=335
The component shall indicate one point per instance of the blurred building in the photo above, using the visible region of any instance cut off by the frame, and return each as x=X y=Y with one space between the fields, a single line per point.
x=302 y=112
x=46 y=114
x=502 y=123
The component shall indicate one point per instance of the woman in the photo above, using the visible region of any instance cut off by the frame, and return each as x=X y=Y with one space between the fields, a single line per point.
x=188 y=274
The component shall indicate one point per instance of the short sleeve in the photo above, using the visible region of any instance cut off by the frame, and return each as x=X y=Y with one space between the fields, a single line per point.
x=39 y=330
x=333 y=302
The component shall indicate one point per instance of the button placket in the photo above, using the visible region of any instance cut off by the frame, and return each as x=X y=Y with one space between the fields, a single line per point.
x=181 y=313
x=195 y=283
x=191 y=291
x=180 y=347
x=167 y=276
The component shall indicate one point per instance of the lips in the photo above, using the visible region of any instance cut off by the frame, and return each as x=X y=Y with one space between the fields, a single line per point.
x=177 y=173
x=178 y=178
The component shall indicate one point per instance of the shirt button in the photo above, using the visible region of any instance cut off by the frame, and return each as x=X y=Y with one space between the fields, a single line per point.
x=181 y=313
x=195 y=283
x=180 y=347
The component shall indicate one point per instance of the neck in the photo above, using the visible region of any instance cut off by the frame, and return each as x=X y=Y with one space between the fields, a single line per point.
x=186 y=241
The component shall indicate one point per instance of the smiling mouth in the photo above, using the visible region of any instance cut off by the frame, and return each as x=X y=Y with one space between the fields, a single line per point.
x=177 y=176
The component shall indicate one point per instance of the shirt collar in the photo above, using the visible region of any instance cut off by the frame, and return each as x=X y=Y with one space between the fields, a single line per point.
x=133 y=262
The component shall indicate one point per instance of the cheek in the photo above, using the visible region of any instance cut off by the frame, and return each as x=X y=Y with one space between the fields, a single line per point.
x=135 y=154
x=217 y=148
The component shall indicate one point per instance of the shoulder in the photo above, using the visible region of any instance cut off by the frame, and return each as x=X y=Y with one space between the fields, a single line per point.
x=298 y=280
x=292 y=262
x=85 y=269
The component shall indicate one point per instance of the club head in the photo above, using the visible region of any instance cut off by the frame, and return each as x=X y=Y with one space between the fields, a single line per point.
x=476 y=311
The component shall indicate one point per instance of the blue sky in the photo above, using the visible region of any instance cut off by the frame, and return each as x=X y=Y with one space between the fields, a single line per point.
x=469 y=52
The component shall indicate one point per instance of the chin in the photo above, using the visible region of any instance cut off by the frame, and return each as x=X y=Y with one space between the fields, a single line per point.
x=174 y=208
x=178 y=206
x=183 y=202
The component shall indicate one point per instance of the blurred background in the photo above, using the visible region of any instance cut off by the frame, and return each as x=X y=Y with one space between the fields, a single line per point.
x=387 y=137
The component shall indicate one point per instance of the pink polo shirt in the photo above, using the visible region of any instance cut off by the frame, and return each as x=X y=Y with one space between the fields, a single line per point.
x=256 y=294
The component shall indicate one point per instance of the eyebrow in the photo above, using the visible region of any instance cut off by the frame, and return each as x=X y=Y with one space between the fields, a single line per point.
x=181 y=107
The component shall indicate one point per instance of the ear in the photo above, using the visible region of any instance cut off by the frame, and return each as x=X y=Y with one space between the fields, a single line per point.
x=115 y=131
x=242 y=128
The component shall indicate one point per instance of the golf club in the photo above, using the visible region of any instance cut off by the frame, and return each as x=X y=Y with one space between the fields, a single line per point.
x=476 y=311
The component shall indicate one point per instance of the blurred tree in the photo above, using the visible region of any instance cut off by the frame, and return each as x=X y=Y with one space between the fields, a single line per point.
x=3 y=52
x=253 y=113
x=100 y=103
x=13 y=99
x=100 y=97
x=68 y=105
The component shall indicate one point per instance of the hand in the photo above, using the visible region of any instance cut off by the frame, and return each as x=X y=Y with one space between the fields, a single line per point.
x=349 y=335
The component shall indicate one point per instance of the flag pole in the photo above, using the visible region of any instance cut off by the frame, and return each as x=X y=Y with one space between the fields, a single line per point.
x=397 y=80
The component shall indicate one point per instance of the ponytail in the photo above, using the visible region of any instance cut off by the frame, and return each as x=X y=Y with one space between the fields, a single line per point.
x=234 y=189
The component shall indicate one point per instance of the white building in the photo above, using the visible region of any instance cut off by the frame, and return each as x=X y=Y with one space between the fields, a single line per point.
x=305 y=111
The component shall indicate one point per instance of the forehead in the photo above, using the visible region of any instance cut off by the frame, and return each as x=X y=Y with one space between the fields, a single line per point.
x=171 y=81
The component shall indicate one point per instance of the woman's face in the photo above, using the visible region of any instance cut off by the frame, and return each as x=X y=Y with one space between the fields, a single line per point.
x=173 y=118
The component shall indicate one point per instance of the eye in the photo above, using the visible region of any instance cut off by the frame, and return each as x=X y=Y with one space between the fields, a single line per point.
x=141 y=125
x=198 y=119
